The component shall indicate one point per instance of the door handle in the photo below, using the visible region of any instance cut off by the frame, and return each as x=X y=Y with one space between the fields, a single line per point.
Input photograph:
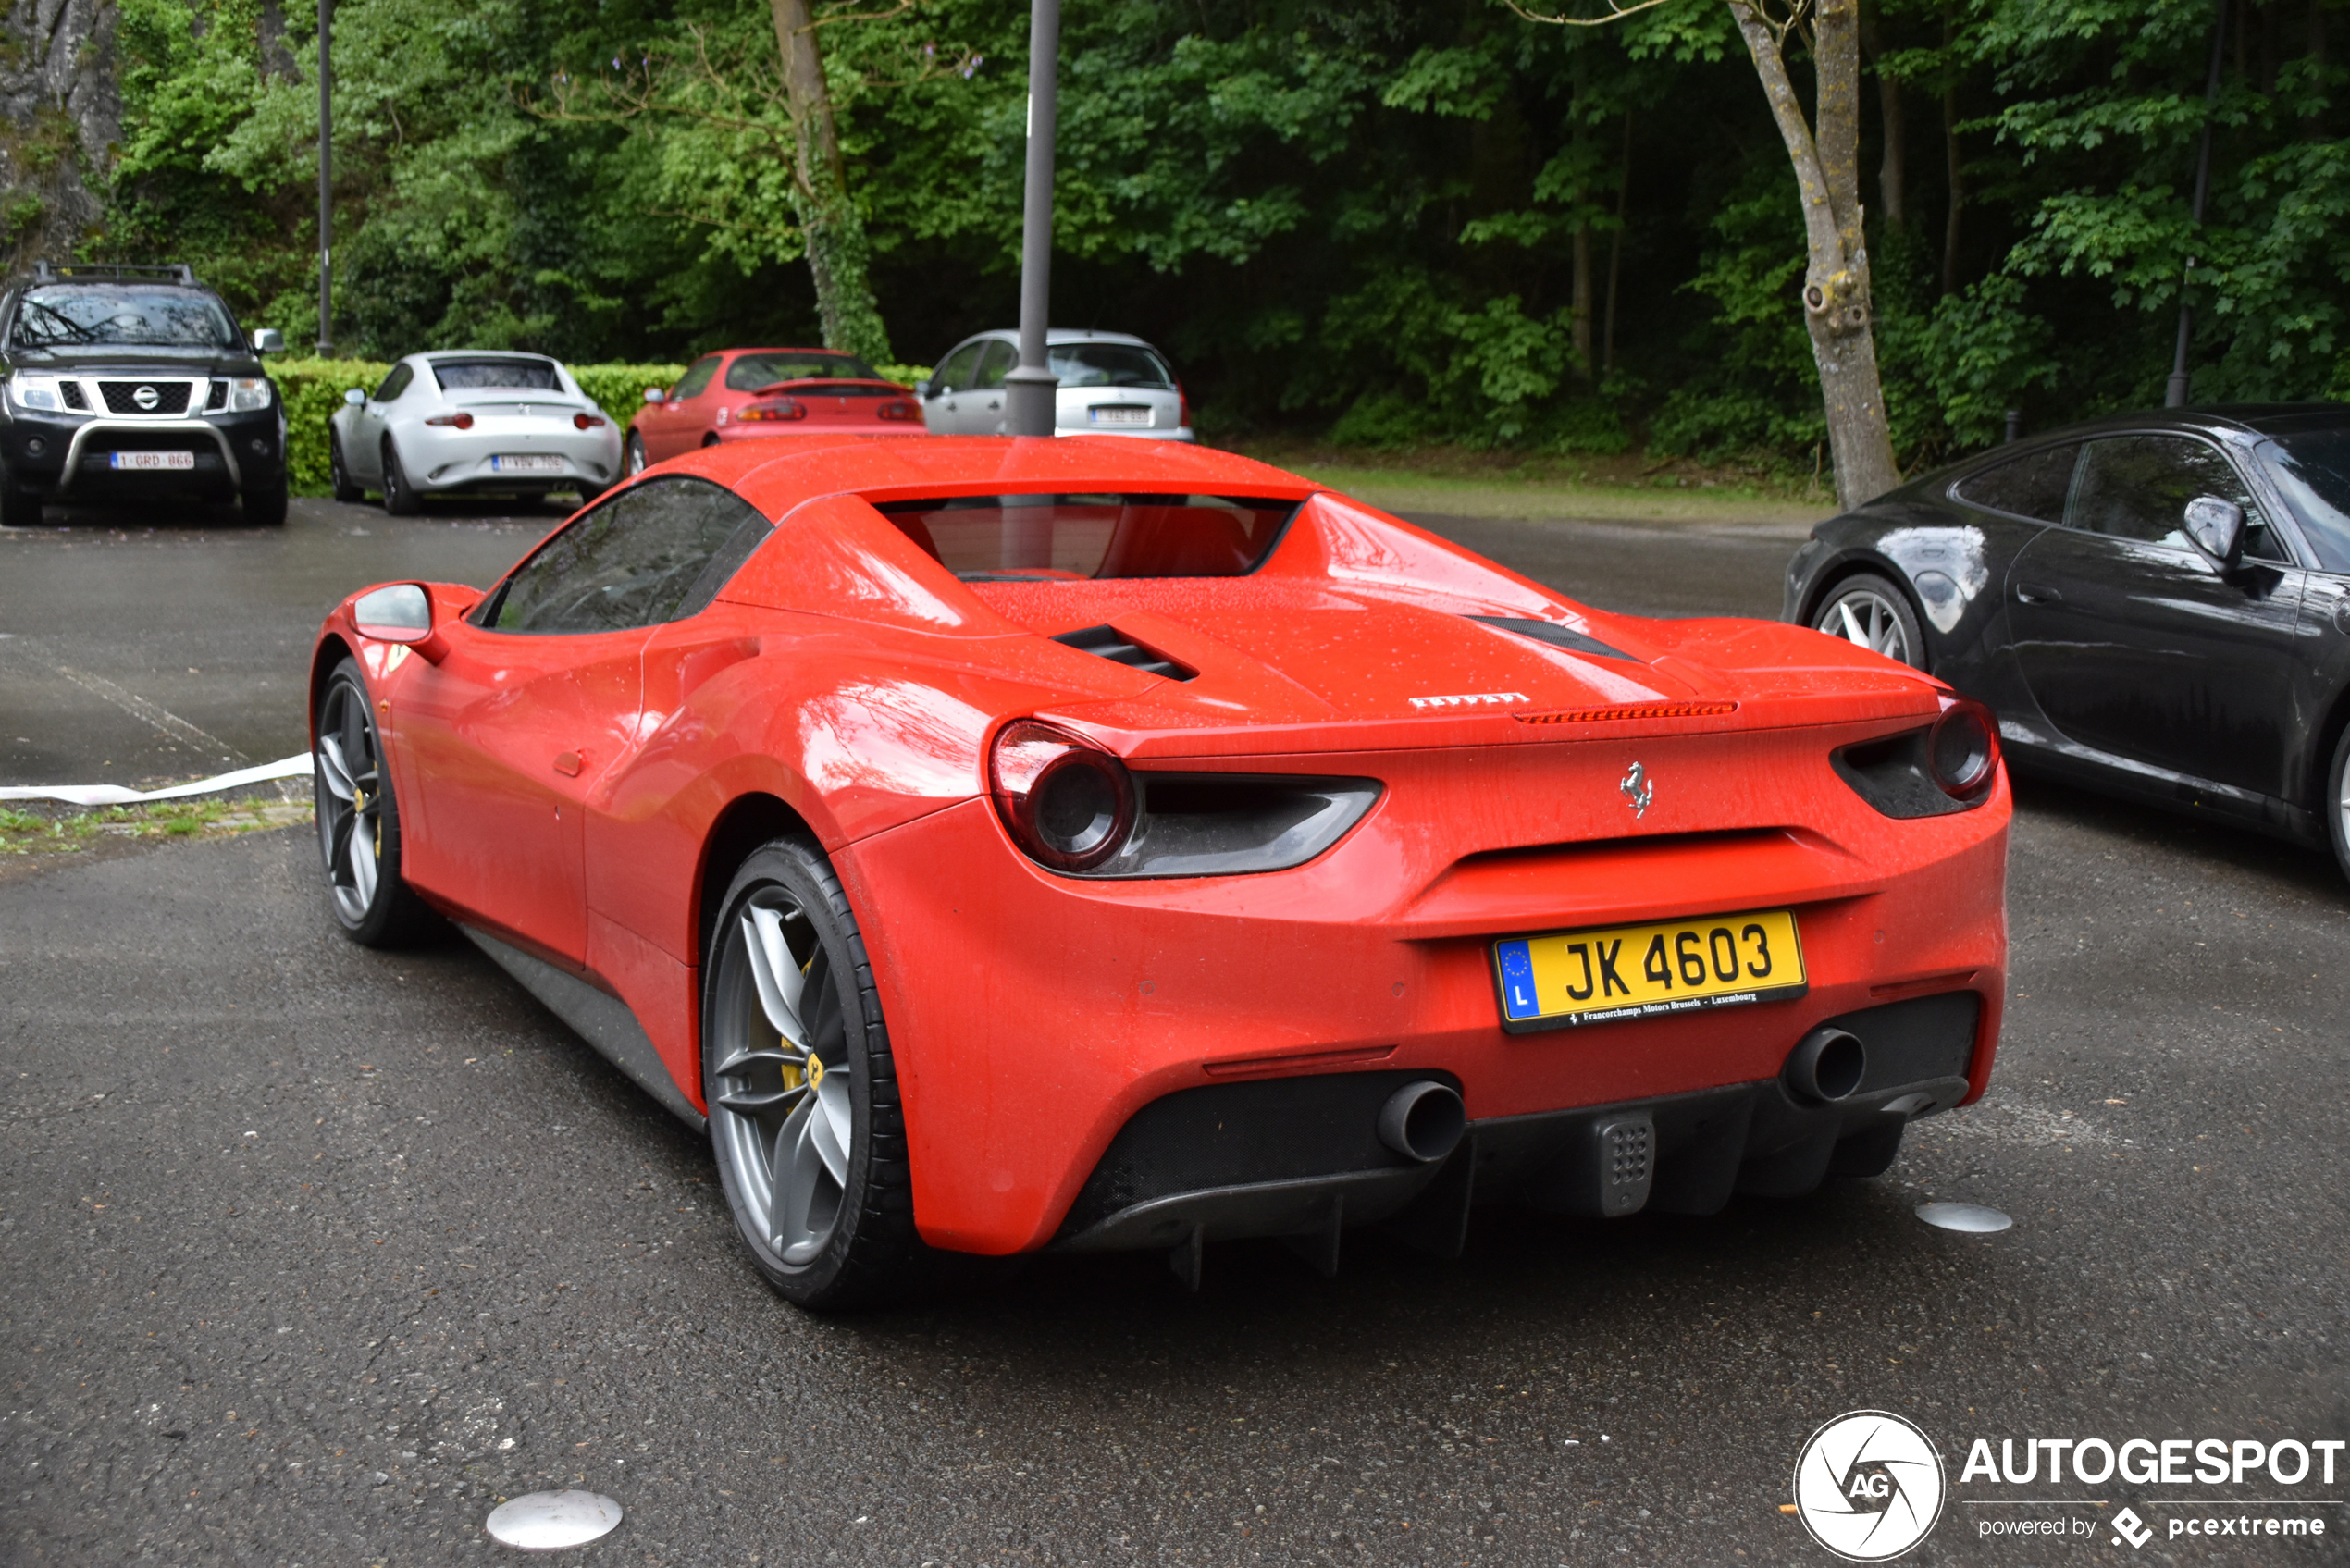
x=568 y=765
x=994 y=402
x=2032 y=593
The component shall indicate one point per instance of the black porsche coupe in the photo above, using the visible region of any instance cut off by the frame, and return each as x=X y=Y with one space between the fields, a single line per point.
x=2156 y=605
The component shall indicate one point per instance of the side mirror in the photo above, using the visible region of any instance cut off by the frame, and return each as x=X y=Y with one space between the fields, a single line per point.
x=655 y=395
x=400 y=613
x=922 y=389
x=2217 y=528
x=354 y=397
x=269 y=340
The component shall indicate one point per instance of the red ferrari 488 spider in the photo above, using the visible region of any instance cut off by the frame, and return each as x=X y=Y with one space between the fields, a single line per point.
x=1083 y=844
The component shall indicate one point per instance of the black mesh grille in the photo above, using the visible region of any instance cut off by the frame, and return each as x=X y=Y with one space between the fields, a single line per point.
x=1110 y=644
x=122 y=397
x=73 y=395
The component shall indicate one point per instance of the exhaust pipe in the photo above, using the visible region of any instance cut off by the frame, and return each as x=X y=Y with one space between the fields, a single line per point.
x=1423 y=1122
x=1825 y=1066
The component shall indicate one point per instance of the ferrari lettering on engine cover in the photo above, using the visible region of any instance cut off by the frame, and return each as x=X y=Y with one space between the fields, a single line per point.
x=1471 y=700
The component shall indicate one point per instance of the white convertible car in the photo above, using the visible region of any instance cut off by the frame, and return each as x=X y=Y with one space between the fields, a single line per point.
x=471 y=421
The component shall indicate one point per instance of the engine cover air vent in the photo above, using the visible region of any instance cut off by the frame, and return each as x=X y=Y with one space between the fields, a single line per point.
x=1556 y=635
x=1109 y=642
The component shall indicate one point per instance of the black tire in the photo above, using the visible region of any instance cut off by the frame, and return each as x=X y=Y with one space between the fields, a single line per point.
x=358 y=810
x=633 y=461
x=400 y=497
x=265 y=504
x=19 y=508
x=338 y=473
x=825 y=1241
x=2336 y=803
x=1871 y=612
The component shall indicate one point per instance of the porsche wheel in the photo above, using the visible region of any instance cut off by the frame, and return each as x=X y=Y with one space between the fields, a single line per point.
x=359 y=821
x=400 y=497
x=2337 y=803
x=346 y=489
x=1871 y=612
x=635 y=461
x=804 y=1114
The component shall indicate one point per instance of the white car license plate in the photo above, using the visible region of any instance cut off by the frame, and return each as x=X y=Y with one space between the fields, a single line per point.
x=526 y=462
x=1121 y=413
x=151 y=460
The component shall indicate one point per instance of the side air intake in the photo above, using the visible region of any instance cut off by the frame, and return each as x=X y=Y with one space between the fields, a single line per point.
x=1107 y=642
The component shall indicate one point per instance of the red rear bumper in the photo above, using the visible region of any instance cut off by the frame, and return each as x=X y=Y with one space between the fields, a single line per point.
x=1033 y=1015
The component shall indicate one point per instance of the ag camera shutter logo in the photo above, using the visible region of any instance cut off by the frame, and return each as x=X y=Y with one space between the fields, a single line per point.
x=1869 y=1486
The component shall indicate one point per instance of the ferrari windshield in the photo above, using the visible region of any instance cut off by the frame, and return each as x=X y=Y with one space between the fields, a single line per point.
x=134 y=316
x=1033 y=539
x=2312 y=467
x=485 y=374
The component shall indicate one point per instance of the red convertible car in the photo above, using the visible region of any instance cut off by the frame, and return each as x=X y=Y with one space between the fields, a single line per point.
x=1088 y=843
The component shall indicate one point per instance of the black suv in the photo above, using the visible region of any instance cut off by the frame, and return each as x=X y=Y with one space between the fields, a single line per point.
x=129 y=383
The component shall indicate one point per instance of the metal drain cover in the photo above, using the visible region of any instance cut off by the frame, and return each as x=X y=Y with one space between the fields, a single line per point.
x=551 y=1520
x=1973 y=1219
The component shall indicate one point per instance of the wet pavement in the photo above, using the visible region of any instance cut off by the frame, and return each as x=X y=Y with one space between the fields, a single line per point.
x=316 y=1252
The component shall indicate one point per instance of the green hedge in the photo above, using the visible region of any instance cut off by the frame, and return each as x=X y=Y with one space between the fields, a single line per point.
x=314 y=388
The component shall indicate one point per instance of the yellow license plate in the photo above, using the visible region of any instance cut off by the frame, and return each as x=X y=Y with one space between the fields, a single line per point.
x=1579 y=977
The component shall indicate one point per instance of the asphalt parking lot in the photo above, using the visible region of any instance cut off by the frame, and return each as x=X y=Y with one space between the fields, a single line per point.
x=486 y=1264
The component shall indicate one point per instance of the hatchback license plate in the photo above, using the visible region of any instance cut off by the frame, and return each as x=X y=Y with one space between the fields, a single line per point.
x=151 y=460
x=526 y=462
x=1121 y=413
x=1579 y=977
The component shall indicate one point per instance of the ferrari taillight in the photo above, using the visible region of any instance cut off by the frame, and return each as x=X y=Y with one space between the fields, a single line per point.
x=459 y=421
x=1962 y=750
x=1068 y=803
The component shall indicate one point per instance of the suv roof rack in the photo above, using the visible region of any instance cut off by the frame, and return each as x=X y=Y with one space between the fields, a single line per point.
x=119 y=272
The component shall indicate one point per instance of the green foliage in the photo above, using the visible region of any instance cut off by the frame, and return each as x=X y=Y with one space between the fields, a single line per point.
x=620 y=388
x=1358 y=219
x=312 y=389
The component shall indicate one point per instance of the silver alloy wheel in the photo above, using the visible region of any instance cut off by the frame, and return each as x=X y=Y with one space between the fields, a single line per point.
x=2341 y=804
x=635 y=461
x=1864 y=617
x=782 y=1079
x=349 y=795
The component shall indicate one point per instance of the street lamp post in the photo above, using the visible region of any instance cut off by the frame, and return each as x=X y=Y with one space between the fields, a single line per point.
x=325 y=180
x=1029 y=404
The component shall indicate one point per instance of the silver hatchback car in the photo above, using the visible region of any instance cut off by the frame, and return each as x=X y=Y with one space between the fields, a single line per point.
x=1112 y=385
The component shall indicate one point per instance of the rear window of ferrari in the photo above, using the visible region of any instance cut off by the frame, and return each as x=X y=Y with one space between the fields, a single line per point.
x=1030 y=538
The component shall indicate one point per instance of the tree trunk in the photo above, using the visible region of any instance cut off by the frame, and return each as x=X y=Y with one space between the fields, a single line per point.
x=830 y=224
x=1835 y=284
x=1582 y=303
x=1957 y=172
x=1892 y=173
x=1615 y=246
